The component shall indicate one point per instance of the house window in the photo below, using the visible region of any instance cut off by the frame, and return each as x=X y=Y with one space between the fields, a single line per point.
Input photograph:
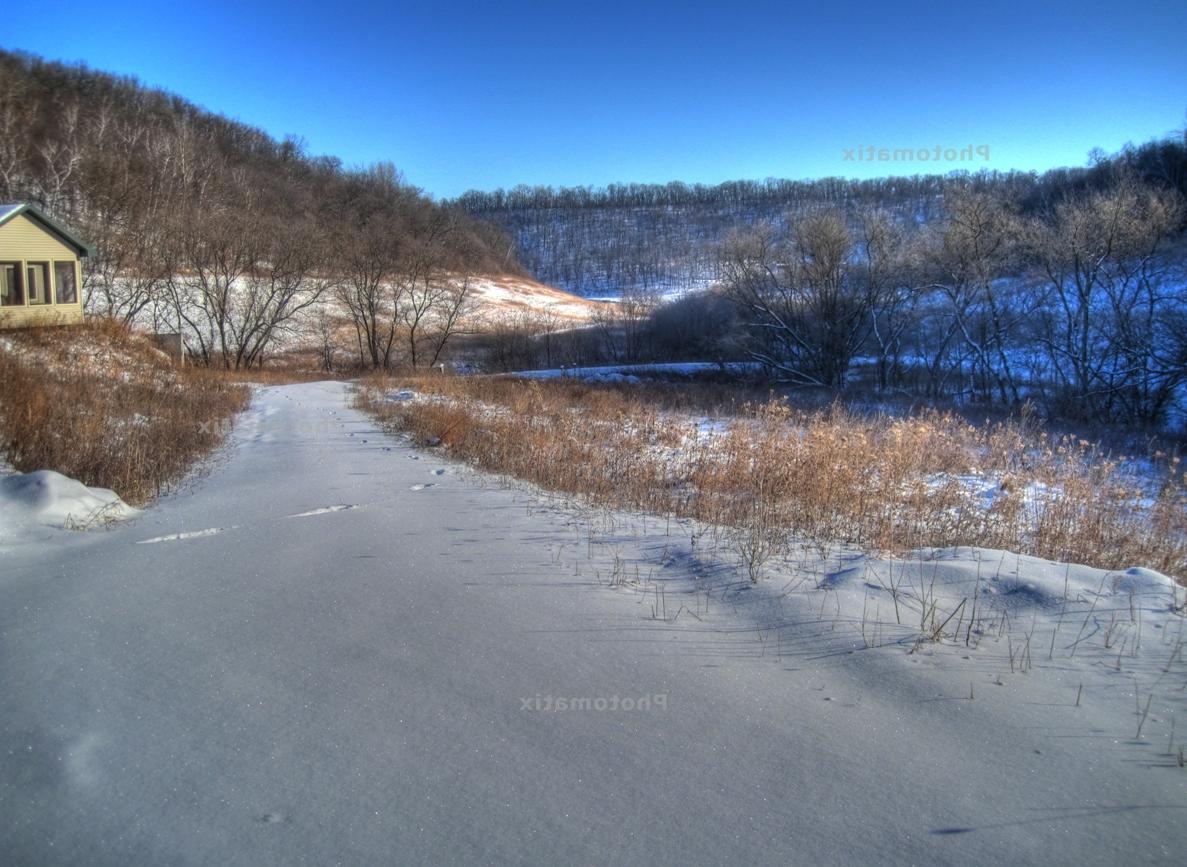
x=11 y=288
x=38 y=282
x=64 y=280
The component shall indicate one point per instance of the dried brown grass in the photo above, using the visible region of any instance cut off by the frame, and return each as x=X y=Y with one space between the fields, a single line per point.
x=99 y=404
x=775 y=474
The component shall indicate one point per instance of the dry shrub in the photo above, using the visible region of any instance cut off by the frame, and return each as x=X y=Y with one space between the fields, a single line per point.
x=886 y=483
x=112 y=412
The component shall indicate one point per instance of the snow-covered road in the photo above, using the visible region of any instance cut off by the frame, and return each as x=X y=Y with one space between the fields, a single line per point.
x=337 y=649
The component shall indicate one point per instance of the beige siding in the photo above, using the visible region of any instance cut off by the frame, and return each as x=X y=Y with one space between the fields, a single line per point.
x=22 y=240
x=45 y=314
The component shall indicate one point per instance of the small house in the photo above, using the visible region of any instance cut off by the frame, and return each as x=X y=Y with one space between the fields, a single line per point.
x=40 y=275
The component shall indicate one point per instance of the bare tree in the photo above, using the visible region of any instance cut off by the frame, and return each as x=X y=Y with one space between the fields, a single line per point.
x=1101 y=256
x=367 y=251
x=973 y=256
x=804 y=297
x=16 y=115
x=216 y=251
x=129 y=274
x=276 y=291
x=887 y=263
x=455 y=310
x=509 y=339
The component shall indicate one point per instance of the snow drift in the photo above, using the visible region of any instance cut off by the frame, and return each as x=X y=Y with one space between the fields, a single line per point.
x=48 y=499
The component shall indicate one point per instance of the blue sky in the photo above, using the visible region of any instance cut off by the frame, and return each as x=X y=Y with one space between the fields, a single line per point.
x=463 y=96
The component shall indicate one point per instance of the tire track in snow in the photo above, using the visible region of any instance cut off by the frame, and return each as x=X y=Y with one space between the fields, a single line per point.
x=324 y=510
x=177 y=537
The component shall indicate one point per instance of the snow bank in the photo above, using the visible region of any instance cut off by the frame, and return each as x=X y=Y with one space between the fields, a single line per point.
x=48 y=499
x=1001 y=579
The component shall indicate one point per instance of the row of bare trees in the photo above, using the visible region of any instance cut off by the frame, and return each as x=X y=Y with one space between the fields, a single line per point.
x=1082 y=305
x=401 y=286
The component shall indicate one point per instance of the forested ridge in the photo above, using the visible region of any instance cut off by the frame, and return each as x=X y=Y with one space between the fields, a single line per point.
x=633 y=236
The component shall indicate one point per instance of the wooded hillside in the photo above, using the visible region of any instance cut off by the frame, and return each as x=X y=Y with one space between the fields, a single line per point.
x=213 y=228
x=663 y=236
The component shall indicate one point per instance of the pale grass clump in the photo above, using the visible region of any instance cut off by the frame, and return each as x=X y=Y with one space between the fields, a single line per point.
x=775 y=474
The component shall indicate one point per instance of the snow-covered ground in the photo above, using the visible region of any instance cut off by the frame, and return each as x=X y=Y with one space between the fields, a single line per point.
x=340 y=649
x=635 y=372
x=663 y=290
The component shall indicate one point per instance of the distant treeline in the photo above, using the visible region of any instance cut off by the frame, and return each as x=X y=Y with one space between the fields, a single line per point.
x=662 y=236
x=213 y=228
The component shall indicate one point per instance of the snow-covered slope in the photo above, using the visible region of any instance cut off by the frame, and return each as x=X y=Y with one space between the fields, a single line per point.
x=340 y=649
x=496 y=295
x=98 y=348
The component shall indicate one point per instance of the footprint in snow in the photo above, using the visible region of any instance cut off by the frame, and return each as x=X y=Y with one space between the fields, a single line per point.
x=273 y=819
x=437 y=472
x=420 y=487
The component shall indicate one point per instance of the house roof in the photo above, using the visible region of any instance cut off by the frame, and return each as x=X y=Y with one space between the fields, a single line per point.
x=8 y=212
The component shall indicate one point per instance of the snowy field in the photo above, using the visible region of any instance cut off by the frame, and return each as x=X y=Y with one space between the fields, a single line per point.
x=335 y=648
